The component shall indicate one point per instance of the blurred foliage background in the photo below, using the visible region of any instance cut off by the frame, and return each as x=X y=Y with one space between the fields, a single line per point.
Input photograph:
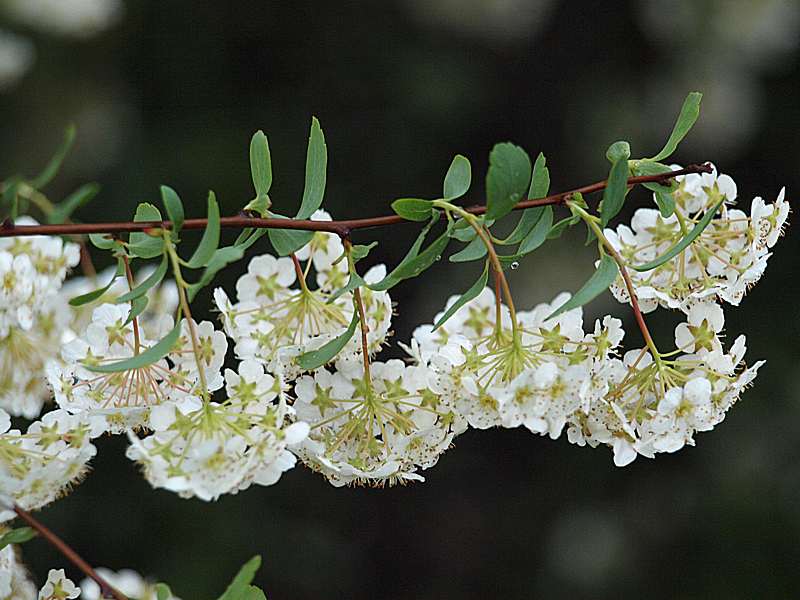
x=170 y=92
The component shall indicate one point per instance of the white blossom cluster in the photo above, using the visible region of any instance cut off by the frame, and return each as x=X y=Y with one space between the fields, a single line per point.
x=278 y=316
x=34 y=317
x=14 y=581
x=728 y=257
x=40 y=465
x=127 y=581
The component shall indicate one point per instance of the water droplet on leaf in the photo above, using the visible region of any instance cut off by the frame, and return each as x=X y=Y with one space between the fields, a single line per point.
x=514 y=265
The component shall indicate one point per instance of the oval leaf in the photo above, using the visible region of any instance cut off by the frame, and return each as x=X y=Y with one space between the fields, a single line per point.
x=458 y=178
x=473 y=251
x=413 y=209
x=174 y=206
x=140 y=243
x=260 y=164
x=683 y=243
x=507 y=179
x=602 y=278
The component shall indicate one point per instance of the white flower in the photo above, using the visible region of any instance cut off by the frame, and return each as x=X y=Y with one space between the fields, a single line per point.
x=14 y=581
x=375 y=431
x=208 y=449
x=58 y=587
x=41 y=465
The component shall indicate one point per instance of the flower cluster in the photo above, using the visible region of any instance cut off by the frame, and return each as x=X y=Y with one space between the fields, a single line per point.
x=127 y=581
x=274 y=322
x=14 y=581
x=124 y=398
x=208 y=449
x=38 y=466
x=34 y=317
x=728 y=257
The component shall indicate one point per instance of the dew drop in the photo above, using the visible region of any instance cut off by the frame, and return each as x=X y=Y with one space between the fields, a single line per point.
x=514 y=265
x=438 y=257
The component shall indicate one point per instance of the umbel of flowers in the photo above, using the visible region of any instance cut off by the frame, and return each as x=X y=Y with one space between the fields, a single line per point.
x=301 y=333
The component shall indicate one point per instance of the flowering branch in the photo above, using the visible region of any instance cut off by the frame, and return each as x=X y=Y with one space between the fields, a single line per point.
x=106 y=591
x=341 y=227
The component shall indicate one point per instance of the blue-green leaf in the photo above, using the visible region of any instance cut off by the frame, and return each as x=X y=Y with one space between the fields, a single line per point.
x=138 y=306
x=53 y=166
x=261 y=170
x=537 y=236
x=507 y=179
x=355 y=281
x=286 y=241
x=219 y=260
x=20 y=535
x=95 y=294
x=665 y=203
x=411 y=266
x=148 y=357
x=142 y=244
x=314 y=359
x=63 y=210
x=172 y=202
x=471 y=293
x=686 y=119
x=163 y=592
x=153 y=280
x=540 y=186
x=238 y=587
x=602 y=278
x=616 y=187
x=473 y=251
x=458 y=178
x=316 y=171
x=618 y=150
x=681 y=245
x=210 y=240
x=413 y=209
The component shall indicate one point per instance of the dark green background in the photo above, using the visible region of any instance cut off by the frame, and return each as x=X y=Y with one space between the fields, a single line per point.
x=173 y=94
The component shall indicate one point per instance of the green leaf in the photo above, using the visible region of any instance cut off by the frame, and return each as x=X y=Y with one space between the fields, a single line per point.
x=254 y=593
x=361 y=251
x=538 y=234
x=471 y=293
x=618 y=150
x=413 y=209
x=411 y=266
x=20 y=535
x=507 y=179
x=389 y=281
x=616 y=188
x=316 y=171
x=219 y=260
x=473 y=251
x=309 y=361
x=686 y=119
x=355 y=281
x=141 y=244
x=458 y=178
x=9 y=201
x=163 y=592
x=602 y=278
x=94 y=295
x=540 y=186
x=286 y=241
x=559 y=228
x=261 y=169
x=148 y=357
x=210 y=240
x=681 y=245
x=103 y=241
x=138 y=306
x=665 y=203
x=63 y=210
x=240 y=584
x=51 y=169
x=172 y=202
x=153 y=280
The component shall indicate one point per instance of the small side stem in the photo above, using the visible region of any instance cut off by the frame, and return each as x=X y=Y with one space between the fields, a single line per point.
x=591 y=221
x=106 y=591
x=362 y=317
x=129 y=276
x=187 y=313
x=298 y=269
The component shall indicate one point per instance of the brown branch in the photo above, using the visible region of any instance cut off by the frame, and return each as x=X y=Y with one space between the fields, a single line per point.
x=106 y=591
x=341 y=228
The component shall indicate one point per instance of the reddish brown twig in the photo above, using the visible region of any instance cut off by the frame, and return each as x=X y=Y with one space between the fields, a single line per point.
x=106 y=591
x=341 y=228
